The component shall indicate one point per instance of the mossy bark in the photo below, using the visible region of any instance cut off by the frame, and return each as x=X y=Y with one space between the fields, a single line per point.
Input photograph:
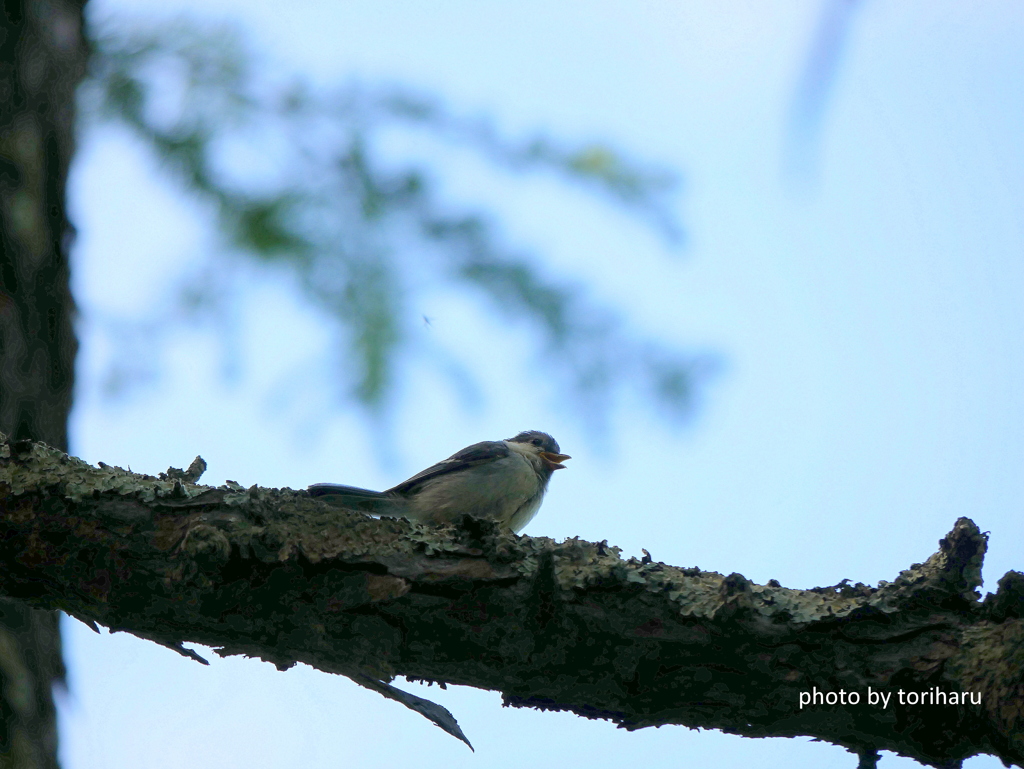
x=566 y=626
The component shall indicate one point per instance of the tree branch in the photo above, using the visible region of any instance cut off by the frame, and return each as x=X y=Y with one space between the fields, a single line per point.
x=558 y=626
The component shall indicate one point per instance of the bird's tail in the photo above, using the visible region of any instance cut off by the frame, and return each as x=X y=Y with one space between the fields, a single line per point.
x=354 y=498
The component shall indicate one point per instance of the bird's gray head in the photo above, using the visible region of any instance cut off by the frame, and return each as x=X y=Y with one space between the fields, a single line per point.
x=546 y=447
x=543 y=441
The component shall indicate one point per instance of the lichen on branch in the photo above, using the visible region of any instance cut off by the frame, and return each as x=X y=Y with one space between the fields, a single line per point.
x=274 y=574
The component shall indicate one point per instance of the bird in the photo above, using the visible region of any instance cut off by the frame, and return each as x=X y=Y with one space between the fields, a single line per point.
x=503 y=481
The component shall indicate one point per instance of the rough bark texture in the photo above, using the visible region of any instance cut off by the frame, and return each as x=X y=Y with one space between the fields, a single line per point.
x=568 y=626
x=42 y=59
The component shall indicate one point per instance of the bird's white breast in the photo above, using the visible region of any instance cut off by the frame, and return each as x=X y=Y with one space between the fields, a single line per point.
x=508 y=490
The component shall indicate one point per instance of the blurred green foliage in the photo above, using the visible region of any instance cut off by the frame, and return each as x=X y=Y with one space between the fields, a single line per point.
x=349 y=227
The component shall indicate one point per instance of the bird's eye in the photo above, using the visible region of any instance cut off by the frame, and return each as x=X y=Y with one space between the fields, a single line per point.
x=535 y=441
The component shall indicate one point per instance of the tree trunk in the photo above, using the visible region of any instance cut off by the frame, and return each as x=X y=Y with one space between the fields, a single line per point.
x=42 y=60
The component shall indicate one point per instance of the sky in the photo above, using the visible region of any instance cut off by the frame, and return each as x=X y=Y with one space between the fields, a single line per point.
x=867 y=311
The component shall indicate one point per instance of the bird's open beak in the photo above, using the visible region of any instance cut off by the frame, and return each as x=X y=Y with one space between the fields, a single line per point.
x=554 y=460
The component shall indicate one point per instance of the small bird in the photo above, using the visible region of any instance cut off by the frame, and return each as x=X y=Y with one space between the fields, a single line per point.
x=503 y=481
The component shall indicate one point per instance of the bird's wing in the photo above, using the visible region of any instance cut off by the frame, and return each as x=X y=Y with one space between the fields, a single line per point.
x=471 y=456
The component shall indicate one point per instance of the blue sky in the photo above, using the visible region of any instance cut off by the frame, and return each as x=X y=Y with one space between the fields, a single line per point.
x=870 y=318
